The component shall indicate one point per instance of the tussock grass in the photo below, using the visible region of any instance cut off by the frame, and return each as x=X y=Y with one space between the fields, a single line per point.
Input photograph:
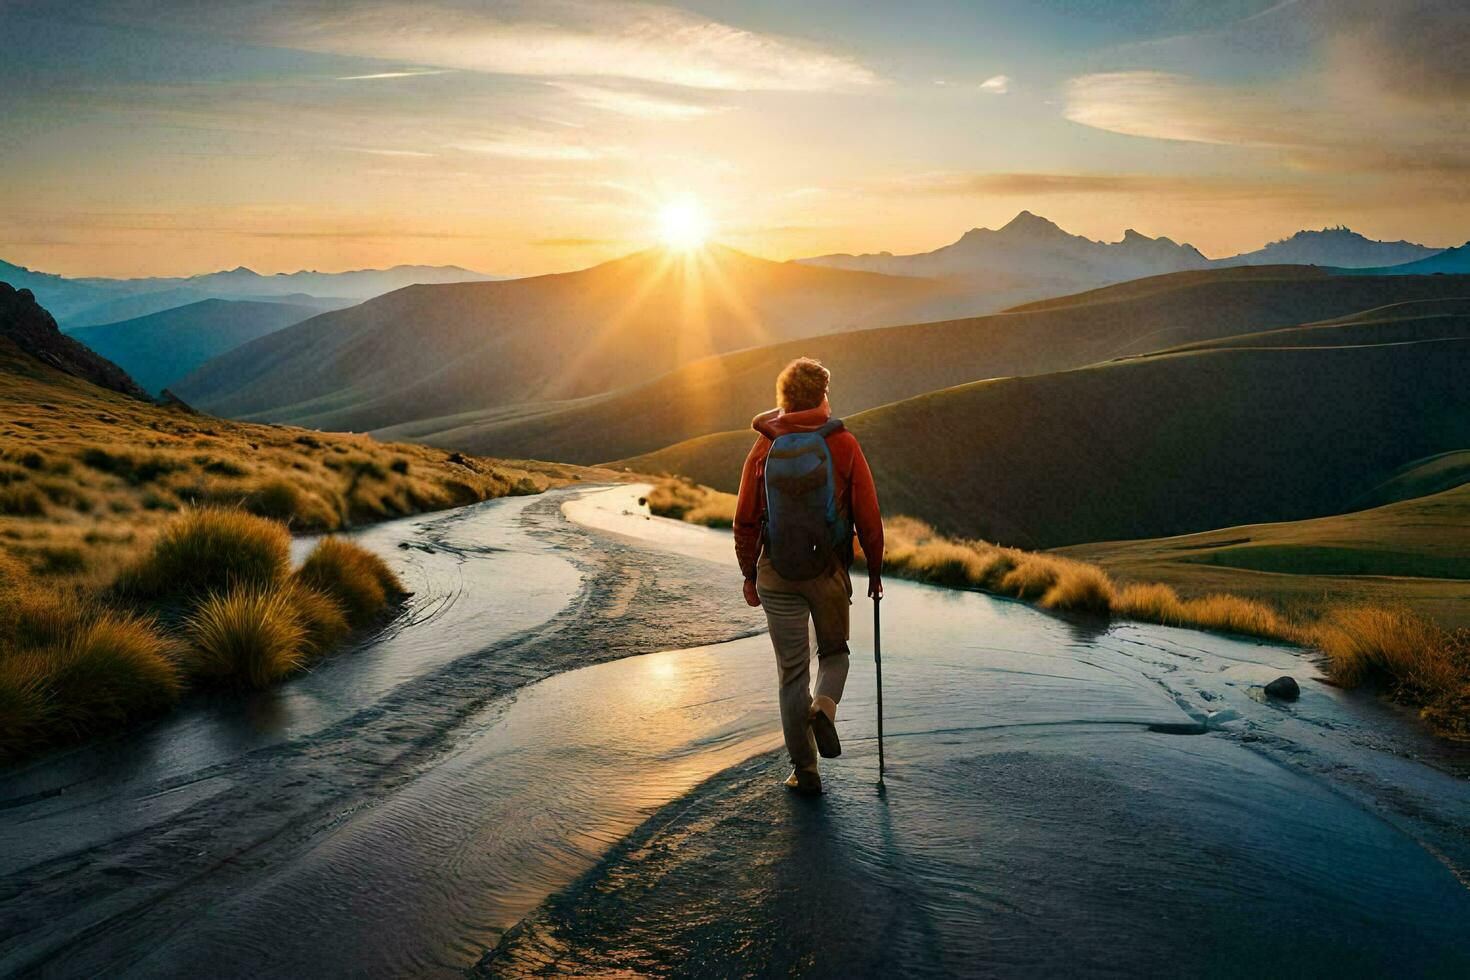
x=109 y=668
x=322 y=618
x=1414 y=659
x=210 y=549
x=687 y=501
x=250 y=636
x=358 y=580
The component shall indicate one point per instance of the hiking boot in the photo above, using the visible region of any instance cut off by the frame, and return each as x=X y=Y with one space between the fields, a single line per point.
x=823 y=719
x=804 y=783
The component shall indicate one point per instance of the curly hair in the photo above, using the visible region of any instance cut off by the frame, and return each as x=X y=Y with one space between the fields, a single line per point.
x=802 y=384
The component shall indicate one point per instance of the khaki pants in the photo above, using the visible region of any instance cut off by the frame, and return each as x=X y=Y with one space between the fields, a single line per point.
x=791 y=609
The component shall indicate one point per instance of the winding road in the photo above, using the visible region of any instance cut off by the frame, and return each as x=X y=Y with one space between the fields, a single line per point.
x=563 y=757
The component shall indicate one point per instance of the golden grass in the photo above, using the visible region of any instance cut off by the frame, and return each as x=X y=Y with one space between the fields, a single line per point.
x=250 y=636
x=210 y=549
x=323 y=621
x=1414 y=659
x=354 y=577
x=109 y=668
x=686 y=501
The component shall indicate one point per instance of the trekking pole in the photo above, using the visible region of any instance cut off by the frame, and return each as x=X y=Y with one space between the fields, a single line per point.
x=878 y=667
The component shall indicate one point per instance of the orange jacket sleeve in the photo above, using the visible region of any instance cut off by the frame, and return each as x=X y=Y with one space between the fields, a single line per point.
x=750 y=508
x=865 y=513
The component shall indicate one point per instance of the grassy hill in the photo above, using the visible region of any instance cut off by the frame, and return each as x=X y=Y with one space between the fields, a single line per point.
x=1280 y=426
x=1414 y=552
x=160 y=348
x=88 y=474
x=878 y=366
x=437 y=350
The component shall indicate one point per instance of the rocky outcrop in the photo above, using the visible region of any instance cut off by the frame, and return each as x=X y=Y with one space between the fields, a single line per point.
x=25 y=323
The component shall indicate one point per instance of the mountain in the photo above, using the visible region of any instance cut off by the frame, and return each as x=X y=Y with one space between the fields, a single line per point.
x=135 y=305
x=359 y=284
x=429 y=351
x=1340 y=247
x=1452 y=261
x=160 y=348
x=91 y=301
x=28 y=331
x=1282 y=425
x=877 y=366
x=1029 y=257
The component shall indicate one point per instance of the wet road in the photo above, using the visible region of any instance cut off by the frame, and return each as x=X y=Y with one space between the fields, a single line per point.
x=573 y=728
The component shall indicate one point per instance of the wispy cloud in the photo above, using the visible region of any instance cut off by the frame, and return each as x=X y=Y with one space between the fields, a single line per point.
x=639 y=105
x=389 y=153
x=589 y=38
x=996 y=85
x=1353 y=132
x=406 y=73
x=531 y=145
x=573 y=242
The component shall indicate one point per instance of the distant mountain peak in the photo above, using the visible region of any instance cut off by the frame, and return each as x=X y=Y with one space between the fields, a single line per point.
x=1032 y=225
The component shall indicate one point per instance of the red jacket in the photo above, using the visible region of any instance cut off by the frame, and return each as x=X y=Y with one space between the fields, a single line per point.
x=856 y=496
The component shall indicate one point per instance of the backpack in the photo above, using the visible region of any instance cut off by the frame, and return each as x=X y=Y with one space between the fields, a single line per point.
x=804 y=526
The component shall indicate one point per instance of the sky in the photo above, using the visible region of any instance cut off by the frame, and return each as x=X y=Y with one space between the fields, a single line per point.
x=173 y=137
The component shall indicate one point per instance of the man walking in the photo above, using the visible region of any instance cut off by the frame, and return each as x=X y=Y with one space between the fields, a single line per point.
x=804 y=487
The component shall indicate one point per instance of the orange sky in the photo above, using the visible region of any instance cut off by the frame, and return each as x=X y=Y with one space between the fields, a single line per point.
x=175 y=137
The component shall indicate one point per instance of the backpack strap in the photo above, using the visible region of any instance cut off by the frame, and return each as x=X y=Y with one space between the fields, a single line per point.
x=830 y=428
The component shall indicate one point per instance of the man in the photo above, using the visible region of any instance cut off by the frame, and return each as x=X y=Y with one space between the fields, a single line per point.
x=816 y=588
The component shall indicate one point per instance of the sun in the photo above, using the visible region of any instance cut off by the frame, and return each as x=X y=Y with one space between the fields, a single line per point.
x=683 y=224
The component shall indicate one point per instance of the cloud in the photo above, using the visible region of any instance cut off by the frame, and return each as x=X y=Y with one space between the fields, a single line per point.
x=573 y=242
x=531 y=145
x=996 y=85
x=587 y=38
x=1345 y=130
x=1177 y=186
x=639 y=105
x=406 y=73
x=389 y=153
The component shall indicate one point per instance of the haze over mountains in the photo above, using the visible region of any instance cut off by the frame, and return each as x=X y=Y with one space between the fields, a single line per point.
x=1031 y=256
x=440 y=350
x=162 y=347
x=91 y=301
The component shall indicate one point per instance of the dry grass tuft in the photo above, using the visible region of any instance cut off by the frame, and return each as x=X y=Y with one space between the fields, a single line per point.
x=210 y=549
x=250 y=636
x=353 y=576
x=684 y=500
x=111 y=669
x=1393 y=648
x=322 y=618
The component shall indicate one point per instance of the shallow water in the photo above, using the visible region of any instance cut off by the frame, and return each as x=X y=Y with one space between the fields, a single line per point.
x=1039 y=813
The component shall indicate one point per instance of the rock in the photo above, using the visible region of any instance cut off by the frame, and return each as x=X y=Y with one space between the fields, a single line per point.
x=24 y=323
x=1284 y=687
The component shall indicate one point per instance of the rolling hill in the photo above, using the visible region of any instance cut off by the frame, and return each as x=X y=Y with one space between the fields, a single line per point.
x=1283 y=425
x=1450 y=262
x=160 y=348
x=1414 y=551
x=430 y=351
x=874 y=367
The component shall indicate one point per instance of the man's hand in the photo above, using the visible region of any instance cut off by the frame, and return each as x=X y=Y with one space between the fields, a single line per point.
x=875 y=587
x=752 y=598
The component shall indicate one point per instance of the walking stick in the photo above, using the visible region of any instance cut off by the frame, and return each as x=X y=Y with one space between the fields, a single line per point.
x=878 y=667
